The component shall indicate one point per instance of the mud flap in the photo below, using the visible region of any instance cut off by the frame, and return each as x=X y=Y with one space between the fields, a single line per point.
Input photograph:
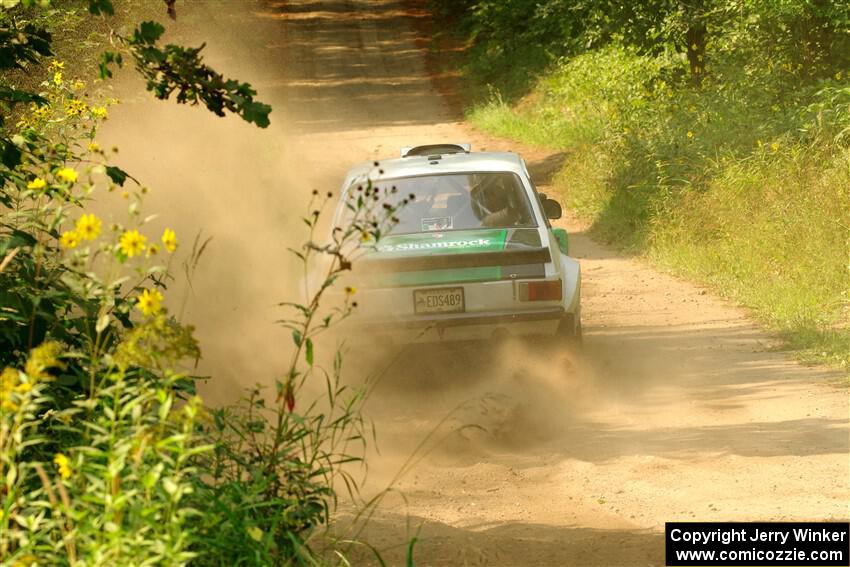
x=570 y=330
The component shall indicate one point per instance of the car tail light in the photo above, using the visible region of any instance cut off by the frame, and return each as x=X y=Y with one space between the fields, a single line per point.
x=544 y=290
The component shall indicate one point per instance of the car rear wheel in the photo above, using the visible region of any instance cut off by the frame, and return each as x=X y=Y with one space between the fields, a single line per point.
x=569 y=331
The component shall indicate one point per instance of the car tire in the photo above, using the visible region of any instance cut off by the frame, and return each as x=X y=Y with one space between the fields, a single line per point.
x=570 y=331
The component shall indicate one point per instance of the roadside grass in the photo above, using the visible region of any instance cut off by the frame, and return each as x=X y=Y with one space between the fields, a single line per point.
x=741 y=187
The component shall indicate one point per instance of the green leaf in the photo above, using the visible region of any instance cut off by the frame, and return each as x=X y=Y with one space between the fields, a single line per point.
x=148 y=33
x=98 y=7
x=14 y=95
x=102 y=323
x=256 y=112
x=10 y=154
x=22 y=45
x=117 y=175
x=178 y=70
x=302 y=308
x=106 y=59
x=308 y=352
x=296 y=337
x=410 y=552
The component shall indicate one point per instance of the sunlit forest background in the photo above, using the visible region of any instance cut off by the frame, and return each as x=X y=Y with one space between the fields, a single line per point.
x=710 y=135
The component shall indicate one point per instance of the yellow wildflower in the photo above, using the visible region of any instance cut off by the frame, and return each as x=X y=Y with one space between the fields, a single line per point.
x=132 y=243
x=75 y=107
x=690 y=134
x=350 y=290
x=42 y=357
x=94 y=147
x=99 y=112
x=40 y=112
x=57 y=78
x=69 y=239
x=63 y=464
x=23 y=387
x=149 y=302
x=8 y=380
x=774 y=146
x=88 y=227
x=78 y=85
x=37 y=184
x=255 y=533
x=57 y=65
x=169 y=240
x=153 y=249
x=67 y=174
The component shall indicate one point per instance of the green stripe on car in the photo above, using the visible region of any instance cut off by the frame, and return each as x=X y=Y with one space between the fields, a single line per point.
x=426 y=244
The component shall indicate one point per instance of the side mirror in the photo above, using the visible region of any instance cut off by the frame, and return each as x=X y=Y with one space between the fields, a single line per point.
x=552 y=208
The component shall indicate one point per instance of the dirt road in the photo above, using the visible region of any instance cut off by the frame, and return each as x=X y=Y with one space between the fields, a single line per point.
x=680 y=410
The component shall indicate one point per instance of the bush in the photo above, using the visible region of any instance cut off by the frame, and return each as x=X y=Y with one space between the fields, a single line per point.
x=107 y=457
x=95 y=454
x=716 y=143
x=271 y=478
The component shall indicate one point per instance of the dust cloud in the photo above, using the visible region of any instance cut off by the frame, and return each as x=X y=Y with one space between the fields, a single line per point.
x=246 y=188
x=452 y=405
x=225 y=180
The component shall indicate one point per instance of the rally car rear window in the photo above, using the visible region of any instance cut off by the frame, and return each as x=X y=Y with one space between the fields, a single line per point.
x=461 y=201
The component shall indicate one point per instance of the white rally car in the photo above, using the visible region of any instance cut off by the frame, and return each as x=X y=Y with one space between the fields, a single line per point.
x=473 y=257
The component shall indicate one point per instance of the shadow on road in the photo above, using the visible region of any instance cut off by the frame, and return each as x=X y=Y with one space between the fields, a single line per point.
x=661 y=381
x=510 y=544
x=350 y=66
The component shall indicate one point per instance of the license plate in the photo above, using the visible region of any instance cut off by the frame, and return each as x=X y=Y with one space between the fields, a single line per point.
x=441 y=300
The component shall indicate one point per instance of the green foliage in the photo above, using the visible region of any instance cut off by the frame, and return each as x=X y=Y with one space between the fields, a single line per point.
x=778 y=225
x=514 y=41
x=725 y=161
x=89 y=389
x=24 y=39
x=42 y=290
x=181 y=69
x=271 y=478
x=117 y=496
x=106 y=455
x=144 y=474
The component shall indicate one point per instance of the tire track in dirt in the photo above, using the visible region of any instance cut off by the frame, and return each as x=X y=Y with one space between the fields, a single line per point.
x=679 y=410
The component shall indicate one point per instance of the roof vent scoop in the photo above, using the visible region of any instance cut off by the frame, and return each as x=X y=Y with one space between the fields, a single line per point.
x=438 y=149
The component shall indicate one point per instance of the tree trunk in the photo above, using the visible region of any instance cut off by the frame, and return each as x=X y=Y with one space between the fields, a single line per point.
x=695 y=36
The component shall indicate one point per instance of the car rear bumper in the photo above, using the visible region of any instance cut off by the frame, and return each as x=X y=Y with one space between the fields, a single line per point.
x=458 y=327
